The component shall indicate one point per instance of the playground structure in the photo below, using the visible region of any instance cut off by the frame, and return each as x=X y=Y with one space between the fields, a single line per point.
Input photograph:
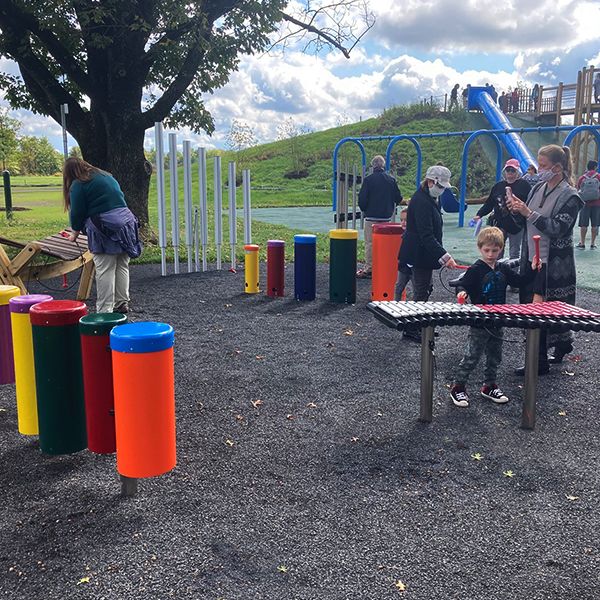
x=196 y=218
x=501 y=133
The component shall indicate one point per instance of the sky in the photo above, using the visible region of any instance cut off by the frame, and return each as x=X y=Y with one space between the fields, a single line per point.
x=416 y=49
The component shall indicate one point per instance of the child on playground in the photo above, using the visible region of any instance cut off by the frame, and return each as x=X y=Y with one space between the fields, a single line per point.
x=485 y=282
x=404 y=271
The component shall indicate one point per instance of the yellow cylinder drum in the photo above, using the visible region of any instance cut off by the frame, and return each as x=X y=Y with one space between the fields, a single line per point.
x=251 y=276
x=27 y=415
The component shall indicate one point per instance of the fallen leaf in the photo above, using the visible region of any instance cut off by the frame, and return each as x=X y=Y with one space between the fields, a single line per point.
x=239 y=417
x=256 y=403
x=508 y=473
x=569 y=373
x=260 y=357
x=562 y=413
x=571 y=498
x=348 y=332
x=400 y=585
x=311 y=405
x=84 y=580
x=282 y=569
x=229 y=443
x=574 y=357
x=379 y=414
x=354 y=439
x=477 y=456
x=2 y=410
x=289 y=417
x=228 y=305
x=237 y=351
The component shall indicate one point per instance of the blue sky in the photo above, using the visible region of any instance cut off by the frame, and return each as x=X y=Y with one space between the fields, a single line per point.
x=417 y=48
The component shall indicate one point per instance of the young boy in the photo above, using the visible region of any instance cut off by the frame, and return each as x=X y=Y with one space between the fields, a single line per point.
x=485 y=282
x=404 y=271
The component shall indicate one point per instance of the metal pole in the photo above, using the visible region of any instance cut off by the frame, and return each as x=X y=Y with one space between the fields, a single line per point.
x=174 y=199
x=346 y=192
x=354 y=196
x=532 y=351
x=7 y=194
x=160 y=192
x=338 y=188
x=187 y=199
x=64 y=110
x=202 y=184
x=232 y=220
x=246 y=188
x=129 y=486
x=427 y=353
x=196 y=239
x=218 y=204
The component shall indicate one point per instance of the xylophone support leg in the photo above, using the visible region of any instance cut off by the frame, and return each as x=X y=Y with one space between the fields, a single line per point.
x=427 y=354
x=531 y=378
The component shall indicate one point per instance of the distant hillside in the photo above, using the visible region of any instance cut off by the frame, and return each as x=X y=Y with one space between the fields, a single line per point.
x=298 y=171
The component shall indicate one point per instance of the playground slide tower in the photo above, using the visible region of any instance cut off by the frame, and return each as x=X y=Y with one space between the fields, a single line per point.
x=480 y=98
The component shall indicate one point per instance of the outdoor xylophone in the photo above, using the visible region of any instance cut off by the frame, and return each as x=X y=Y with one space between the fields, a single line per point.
x=532 y=317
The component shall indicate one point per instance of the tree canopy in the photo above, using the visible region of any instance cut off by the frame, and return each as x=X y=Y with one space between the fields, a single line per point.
x=122 y=65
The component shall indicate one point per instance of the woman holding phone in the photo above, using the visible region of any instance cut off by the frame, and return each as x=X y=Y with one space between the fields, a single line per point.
x=550 y=211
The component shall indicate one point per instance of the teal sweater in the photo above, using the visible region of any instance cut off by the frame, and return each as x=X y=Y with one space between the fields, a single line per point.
x=88 y=198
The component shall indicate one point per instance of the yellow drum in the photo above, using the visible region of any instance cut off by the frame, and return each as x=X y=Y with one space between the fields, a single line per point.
x=27 y=415
x=251 y=276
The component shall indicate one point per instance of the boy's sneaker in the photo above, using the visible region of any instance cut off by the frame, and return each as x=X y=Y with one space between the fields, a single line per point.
x=459 y=396
x=494 y=393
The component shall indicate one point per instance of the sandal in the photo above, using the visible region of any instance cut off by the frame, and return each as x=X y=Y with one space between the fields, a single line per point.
x=580 y=245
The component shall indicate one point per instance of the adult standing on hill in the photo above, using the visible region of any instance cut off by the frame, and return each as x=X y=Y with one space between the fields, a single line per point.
x=378 y=197
x=96 y=203
x=453 y=98
x=496 y=202
x=421 y=247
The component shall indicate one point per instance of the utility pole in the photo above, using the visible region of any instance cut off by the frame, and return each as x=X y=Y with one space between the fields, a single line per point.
x=64 y=111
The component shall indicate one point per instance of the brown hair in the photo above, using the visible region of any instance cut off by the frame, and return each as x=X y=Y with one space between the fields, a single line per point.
x=491 y=236
x=76 y=169
x=559 y=155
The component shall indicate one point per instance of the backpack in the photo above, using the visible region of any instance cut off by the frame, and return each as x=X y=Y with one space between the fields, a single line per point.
x=590 y=188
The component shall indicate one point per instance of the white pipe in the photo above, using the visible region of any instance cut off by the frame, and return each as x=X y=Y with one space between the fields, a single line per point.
x=174 y=198
x=218 y=204
x=160 y=192
x=196 y=239
x=187 y=199
x=246 y=188
x=232 y=215
x=202 y=185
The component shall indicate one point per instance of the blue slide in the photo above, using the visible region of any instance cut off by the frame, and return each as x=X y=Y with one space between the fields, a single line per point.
x=481 y=98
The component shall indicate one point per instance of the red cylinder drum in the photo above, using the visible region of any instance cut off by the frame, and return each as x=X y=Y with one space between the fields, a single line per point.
x=387 y=239
x=275 y=268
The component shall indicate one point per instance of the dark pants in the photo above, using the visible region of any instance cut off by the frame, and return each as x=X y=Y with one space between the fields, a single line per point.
x=481 y=342
x=422 y=280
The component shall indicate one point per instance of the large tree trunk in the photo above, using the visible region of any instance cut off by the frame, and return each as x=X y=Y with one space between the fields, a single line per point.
x=119 y=149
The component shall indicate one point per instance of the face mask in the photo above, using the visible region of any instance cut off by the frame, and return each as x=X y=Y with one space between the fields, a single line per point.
x=545 y=175
x=435 y=191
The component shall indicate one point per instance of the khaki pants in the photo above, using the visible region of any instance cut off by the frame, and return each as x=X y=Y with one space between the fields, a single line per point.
x=112 y=281
x=368 y=231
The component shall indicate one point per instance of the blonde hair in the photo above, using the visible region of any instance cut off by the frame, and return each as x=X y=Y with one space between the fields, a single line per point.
x=492 y=236
x=76 y=169
x=559 y=155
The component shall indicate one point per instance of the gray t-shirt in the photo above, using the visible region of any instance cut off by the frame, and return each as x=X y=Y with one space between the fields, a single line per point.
x=542 y=206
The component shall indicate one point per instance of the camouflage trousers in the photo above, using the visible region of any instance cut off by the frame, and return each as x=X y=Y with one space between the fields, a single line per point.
x=481 y=342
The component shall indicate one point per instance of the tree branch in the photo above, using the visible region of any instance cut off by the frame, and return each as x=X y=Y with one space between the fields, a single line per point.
x=317 y=31
x=15 y=19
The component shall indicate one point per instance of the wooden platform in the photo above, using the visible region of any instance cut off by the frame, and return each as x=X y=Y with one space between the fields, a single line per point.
x=64 y=256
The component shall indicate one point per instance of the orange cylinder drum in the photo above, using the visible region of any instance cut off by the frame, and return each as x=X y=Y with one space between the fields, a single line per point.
x=387 y=239
x=144 y=391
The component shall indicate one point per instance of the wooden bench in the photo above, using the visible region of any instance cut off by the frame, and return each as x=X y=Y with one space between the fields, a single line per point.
x=68 y=256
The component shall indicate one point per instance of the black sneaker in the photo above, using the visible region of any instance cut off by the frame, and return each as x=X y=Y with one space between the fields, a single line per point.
x=122 y=308
x=459 y=396
x=494 y=393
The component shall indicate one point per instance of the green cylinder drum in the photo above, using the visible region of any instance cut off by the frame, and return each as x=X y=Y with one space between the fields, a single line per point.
x=342 y=265
x=58 y=375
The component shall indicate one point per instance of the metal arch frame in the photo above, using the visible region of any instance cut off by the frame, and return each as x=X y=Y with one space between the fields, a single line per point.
x=410 y=138
x=335 y=155
x=580 y=128
x=464 y=168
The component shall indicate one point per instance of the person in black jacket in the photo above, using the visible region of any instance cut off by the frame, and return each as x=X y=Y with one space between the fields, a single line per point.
x=378 y=197
x=496 y=202
x=421 y=247
x=485 y=282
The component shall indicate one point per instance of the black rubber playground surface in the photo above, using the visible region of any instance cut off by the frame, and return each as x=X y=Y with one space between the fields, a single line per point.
x=303 y=472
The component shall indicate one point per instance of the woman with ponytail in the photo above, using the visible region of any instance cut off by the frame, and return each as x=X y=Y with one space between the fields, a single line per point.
x=550 y=211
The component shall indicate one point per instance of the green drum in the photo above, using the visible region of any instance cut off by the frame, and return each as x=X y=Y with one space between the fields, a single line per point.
x=342 y=265
x=58 y=375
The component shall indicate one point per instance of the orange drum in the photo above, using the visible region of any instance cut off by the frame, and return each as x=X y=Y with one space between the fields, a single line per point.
x=387 y=239
x=144 y=390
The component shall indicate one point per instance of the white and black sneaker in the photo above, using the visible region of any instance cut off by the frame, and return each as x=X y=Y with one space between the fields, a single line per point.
x=494 y=393
x=459 y=396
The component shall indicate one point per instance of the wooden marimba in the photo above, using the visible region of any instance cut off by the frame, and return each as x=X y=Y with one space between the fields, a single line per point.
x=532 y=317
